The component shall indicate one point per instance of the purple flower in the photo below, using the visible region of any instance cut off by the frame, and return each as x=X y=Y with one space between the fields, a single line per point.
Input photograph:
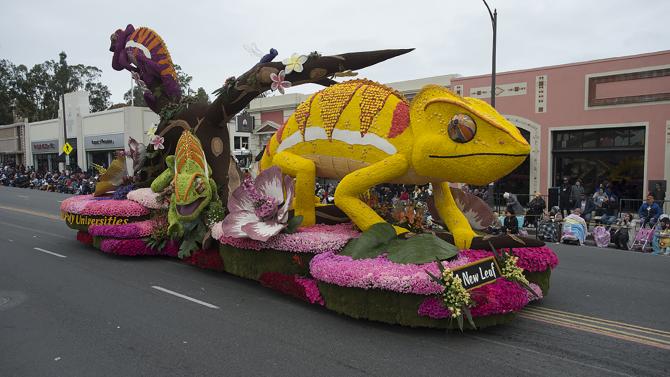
x=259 y=210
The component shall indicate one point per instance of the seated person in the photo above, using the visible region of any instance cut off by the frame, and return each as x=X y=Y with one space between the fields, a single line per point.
x=548 y=228
x=574 y=227
x=535 y=209
x=620 y=231
x=600 y=199
x=586 y=206
x=649 y=212
x=510 y=223
x=662 y=228
x=496 y=226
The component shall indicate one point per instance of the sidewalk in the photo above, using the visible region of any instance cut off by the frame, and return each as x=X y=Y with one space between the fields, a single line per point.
x=590 y=242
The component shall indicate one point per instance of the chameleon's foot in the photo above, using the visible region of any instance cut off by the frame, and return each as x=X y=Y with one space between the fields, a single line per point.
x=463 y=237
x=400 y=230
x=175 y=230
x=308 y=216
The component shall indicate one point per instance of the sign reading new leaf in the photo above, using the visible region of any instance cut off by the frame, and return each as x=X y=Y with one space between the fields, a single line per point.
x=476 y=274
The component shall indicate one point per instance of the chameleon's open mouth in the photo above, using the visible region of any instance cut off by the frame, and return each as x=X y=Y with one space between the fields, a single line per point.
x=188 y=209
x=481 y=154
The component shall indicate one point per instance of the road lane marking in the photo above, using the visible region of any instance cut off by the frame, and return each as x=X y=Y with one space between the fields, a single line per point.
x=545 y=354
x=34 y=230
x=185 y=297
x=49 y=252
x=613 y=329
x=29 y=212
x=660 y=343
x=569 y=315
x=23 y=196
x=596 y=331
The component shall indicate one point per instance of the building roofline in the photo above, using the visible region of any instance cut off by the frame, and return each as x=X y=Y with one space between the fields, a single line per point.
x=548 y=67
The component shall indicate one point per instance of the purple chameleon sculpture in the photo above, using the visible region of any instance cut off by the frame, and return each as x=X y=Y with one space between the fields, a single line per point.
x=143 y=53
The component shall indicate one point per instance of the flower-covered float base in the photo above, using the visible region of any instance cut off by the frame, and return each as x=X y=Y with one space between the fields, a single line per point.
x=393 y=308
x=381 y=290
x=284 y=253
x=313 y=263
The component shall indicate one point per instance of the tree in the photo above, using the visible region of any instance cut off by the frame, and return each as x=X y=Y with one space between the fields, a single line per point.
x=201 y=96
x=184 y=81
x=37 y=91
x=6 y=91
x=138 y=94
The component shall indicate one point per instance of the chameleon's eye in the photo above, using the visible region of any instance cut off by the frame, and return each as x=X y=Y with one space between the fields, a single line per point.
x=462 y=128
x=199 y=185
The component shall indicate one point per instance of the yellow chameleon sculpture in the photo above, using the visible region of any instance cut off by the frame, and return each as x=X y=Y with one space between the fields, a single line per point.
x=366 y=134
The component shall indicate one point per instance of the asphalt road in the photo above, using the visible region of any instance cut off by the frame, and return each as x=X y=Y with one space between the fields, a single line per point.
x=69 y=310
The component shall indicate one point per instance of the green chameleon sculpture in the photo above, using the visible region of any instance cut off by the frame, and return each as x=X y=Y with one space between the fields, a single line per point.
x=189 y=175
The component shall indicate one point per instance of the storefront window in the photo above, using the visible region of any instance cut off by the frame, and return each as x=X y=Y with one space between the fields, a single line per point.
x=99 y=158
x=518 y=181
x=615 y=155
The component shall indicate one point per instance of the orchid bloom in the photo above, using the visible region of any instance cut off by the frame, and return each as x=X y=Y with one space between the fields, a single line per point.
x=278 y=82
x=157 y=142
x=294 y=63
x=259 y=210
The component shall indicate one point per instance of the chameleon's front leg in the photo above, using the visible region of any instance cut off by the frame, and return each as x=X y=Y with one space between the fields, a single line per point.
x=165 y=178
x=452 y=216
x=175 y=229
x=356 y=183
x=304 y=171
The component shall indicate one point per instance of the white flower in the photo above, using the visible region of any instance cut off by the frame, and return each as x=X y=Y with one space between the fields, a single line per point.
x=294 y=63
x=152 y=131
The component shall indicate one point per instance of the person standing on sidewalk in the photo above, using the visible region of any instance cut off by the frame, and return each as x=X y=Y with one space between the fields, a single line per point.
x=564 y=197
x=576 y=192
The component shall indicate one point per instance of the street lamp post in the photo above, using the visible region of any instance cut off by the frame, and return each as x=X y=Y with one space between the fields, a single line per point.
x=494 y=24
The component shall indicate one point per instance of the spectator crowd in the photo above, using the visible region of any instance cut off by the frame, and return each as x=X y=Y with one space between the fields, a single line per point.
x=68 y=182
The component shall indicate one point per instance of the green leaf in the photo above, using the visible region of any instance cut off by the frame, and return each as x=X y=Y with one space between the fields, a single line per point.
x=293 y=224
x=528 y=288
x=371 y=243
x=435 y=278
x=460 y=322
x=469 y=316
x=423 y=248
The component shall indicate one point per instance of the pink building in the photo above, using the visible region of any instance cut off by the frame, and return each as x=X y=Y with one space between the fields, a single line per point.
x=601 y=120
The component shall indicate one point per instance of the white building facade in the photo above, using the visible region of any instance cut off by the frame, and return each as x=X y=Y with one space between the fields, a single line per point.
x=95 y=137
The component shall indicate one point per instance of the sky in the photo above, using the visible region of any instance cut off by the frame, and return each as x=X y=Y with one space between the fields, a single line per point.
x=208 y=38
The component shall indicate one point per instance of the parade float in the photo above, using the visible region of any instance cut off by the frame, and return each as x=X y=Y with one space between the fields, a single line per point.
x=185 y=197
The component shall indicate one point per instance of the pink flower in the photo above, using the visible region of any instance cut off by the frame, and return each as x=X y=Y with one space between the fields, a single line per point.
x=259 y=210
x=157 y=142
x=500 y=297
x=135 y=247
x=147 y=198
x=131 y=230
x=88 y=205
x=278 y=82
x=315 y=239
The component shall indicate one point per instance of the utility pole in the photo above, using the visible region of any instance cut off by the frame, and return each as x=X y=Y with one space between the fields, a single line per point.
x=494 y=24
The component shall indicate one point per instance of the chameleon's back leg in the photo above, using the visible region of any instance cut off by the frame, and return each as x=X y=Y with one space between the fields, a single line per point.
x=357 y=182
x=304 y=171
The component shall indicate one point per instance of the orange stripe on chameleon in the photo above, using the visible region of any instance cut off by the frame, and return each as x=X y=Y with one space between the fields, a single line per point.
x=153 y=43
